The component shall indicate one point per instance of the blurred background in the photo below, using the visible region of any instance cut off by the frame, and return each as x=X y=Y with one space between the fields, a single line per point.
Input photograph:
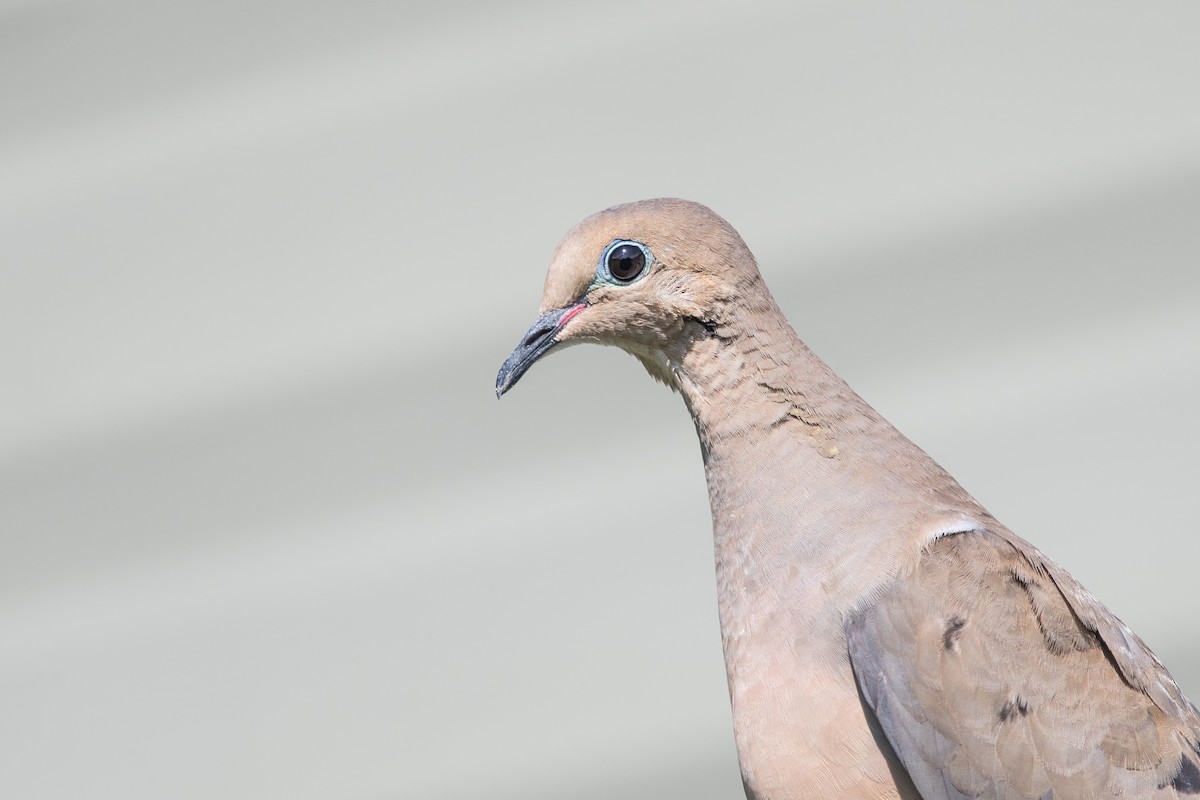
x=265 y=530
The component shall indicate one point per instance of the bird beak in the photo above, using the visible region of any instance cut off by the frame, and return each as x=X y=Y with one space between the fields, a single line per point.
x=536 y=342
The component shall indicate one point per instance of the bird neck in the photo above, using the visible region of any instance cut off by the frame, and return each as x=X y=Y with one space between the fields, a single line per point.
x=793 y=456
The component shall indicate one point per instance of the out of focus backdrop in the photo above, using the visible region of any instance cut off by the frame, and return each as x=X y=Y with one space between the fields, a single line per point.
x=265 y=531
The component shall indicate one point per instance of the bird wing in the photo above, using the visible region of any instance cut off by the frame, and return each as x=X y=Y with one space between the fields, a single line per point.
x=994 y=674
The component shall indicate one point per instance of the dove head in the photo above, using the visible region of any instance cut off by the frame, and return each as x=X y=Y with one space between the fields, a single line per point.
x=650 y=277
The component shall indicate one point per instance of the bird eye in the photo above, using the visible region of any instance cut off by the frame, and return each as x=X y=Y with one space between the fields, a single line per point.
x=626 y=261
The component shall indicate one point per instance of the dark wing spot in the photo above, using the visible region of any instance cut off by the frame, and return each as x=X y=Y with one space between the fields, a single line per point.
x=1013 y=708
x=950 y=635
x=709 y=325
x=1187 y=781
x=1061 y=628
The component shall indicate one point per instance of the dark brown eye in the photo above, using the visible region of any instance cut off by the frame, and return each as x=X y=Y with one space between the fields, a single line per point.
x=626 y=261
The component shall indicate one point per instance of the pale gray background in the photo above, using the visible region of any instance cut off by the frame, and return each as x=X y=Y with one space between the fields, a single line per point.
x=266 y=533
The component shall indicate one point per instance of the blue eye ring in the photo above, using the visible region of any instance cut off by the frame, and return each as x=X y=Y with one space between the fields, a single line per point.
x=625 y=261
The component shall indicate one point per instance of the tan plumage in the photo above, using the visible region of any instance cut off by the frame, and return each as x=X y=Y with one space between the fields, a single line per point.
x=990 y=683
x=884 y=636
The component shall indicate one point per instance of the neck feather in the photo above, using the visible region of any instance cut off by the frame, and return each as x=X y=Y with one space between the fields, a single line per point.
x=803 y=475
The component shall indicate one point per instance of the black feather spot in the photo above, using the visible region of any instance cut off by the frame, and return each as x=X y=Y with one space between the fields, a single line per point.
x=1187 y=780
x=1013 y=708
x=710 y=326
x=950 y=635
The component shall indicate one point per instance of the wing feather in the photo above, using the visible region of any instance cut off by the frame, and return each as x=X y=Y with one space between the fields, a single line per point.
x=994 y=674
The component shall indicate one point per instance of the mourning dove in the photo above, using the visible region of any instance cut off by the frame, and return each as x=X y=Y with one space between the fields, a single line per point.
x=884 y=636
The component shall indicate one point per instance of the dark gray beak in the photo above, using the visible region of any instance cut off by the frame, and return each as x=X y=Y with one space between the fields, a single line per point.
x=536 y=342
